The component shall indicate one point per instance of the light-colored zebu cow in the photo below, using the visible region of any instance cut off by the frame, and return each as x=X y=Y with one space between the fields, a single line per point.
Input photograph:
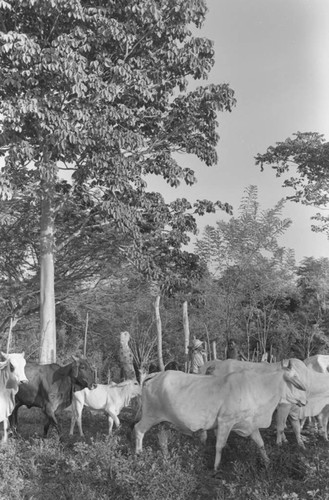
x=242 y=402
x=317 y=401
x=105 y=398
x=223 y=367
x=11 y=375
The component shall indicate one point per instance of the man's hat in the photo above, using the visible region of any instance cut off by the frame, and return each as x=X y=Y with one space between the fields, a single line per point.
x=197 y=343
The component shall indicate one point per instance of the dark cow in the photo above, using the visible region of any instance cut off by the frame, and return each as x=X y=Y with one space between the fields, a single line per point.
x=50 y=387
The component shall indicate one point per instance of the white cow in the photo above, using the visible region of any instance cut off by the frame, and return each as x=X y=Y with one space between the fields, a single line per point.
x=11 y=375
x=318 y=363
x=105 y=398
x=242 y=402
x=317 y=401
x=221 y=368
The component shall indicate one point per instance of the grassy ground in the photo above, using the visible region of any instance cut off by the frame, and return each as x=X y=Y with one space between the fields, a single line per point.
x=172 y=466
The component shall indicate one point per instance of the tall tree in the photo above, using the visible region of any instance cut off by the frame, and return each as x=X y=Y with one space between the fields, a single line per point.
x=253 y=271
x=242 y=239
x=99 y=88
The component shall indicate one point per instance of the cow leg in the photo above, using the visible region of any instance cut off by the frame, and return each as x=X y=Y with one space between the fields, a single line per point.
x=72 y=425
x=257 y=438
x=140 y=428
x=322 y=419
x=203 y=437
x=76 y=416
x=110 y=420
x=281 y=420
x=323 y=422
x=46 y=426
x=223 y=431
x=13 y=418
x=51 y=419
x=295 y=423
x=114 y=418
x=5 y=431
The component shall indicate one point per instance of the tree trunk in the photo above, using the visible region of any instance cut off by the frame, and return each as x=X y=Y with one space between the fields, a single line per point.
x=126 y=358
x=159 y=331
x=186 y=335
x=47 y=280
x=10 y=333
x=214 y=349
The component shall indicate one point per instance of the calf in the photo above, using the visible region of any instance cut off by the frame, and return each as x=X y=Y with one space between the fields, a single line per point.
x=109 y=399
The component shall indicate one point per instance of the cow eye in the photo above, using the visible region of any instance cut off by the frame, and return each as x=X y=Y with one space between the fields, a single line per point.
x=12 y=368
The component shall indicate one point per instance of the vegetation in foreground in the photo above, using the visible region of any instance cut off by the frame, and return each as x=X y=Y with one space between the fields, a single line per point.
x=172 y=466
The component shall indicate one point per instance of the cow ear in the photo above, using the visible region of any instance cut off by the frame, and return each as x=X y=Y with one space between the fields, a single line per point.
x=4 y=355
x=75 y=357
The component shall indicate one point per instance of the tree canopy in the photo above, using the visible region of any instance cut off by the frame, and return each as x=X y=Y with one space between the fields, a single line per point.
x=100 y=90
x=306 y=156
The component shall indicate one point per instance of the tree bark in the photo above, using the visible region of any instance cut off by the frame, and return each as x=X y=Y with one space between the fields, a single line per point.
x=47 y=275
x=126 y=358
x=214 y=349
x=159 y=331
x=186 y=335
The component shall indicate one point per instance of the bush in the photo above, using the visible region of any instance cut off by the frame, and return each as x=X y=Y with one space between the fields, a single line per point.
x=11 y=472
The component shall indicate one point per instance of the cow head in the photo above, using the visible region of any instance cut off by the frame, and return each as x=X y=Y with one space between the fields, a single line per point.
x=136 y=389
x=296 y=376
x=82 y=372
x=17 y=365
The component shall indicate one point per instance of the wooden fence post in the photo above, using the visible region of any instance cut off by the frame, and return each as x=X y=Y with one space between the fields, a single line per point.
x=126 y=357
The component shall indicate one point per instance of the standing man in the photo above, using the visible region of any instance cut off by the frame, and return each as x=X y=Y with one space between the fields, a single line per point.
x=233 y=351
x=197 y=355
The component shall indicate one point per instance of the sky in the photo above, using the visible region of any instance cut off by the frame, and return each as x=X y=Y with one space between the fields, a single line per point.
x=275 y=55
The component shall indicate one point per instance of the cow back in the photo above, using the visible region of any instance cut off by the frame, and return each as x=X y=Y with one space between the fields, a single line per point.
x=318 y=363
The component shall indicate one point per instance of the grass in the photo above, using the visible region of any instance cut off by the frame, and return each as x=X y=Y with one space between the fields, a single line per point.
x=172 y=466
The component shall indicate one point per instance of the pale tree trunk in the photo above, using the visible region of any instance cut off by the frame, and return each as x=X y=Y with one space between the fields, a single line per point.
x=126 y=358
x=159 y=331
x=186 y=335
x=13 y=322
x=214 y=349
x=47 y=275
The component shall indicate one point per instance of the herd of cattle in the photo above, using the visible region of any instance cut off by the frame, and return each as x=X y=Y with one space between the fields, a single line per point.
x=226 y=396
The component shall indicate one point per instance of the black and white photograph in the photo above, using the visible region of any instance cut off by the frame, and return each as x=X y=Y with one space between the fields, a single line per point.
x=164 y=249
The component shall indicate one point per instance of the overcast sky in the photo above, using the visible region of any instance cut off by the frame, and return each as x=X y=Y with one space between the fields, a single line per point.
x=275 y=55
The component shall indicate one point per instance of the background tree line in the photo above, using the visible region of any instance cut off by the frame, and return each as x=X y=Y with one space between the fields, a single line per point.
x=250 y=289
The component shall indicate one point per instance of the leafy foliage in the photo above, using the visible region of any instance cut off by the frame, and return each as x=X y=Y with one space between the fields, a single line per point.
x=173 y=467
x=253 y=272
x=306 y=155
x=99 y=90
